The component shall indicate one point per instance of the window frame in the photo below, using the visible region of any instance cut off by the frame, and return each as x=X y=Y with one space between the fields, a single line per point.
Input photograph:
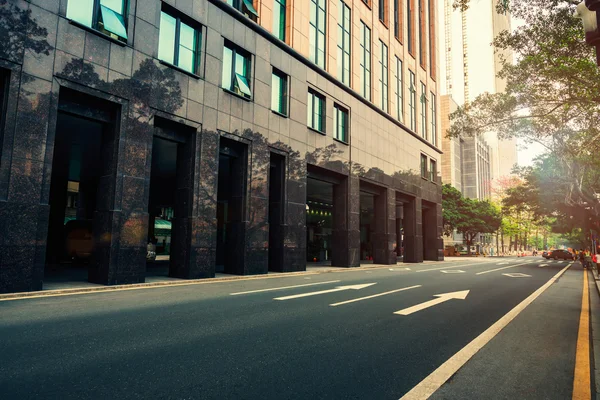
x=432 y=170
x=424 y=166
x=400 y=89
x=433 y=107
x=198 y=35
x=96 y=20
x=410 y=20
x=342 y=45
x=423 y=102
x=315 y=57
x=248 y=76
x=384 y=77
x=412 y=101
x=282 y=5
x=345 y=113
x=422 y=38
x=432 y=41
x=240 y=5
x=313 y=94
x=366 y=55
x=382 y=12
x=284 y=92
x=399 y=20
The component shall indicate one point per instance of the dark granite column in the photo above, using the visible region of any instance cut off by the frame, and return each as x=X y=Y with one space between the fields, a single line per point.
x=294 y=244
x=384 y=237
x=182 y=238
x=24 y=211
x=432 y=241
x=346 y=223
x=256 y=260
x=413 y=240
x=203 y=224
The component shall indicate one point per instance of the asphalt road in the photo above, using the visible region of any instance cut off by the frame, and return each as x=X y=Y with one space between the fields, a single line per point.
x=202 y=342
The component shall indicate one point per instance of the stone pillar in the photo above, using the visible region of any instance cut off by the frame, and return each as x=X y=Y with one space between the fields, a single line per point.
x=384 y=238
x=413 y=239
x=203 y=224
x=346 y=223
x=294 y=243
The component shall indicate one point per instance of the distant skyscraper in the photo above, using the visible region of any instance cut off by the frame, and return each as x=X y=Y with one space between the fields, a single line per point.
x=472 y=65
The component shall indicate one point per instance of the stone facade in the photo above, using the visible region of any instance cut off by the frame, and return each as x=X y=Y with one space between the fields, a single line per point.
x=53 y=69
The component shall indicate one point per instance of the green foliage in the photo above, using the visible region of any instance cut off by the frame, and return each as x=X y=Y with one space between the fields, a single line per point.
x=468 y=216
x=552 y=96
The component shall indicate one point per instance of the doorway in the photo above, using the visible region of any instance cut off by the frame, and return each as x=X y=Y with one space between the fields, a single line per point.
x=319 y=221
x=276 y=212
x=79 y=162
x=231 y=206
x=161 y=205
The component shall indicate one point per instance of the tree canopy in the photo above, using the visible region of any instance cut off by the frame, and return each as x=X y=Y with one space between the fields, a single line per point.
x=552 y=95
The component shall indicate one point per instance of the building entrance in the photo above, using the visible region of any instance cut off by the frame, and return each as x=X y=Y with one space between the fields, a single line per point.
x=78 y=164
x=231 y=206
x=367 y=214
x=319 y=220
x=161 y=203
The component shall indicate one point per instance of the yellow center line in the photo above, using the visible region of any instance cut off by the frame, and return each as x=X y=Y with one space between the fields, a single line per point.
x=582 y=386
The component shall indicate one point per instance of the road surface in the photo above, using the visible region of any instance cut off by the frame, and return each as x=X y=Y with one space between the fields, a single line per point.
x=357 y=334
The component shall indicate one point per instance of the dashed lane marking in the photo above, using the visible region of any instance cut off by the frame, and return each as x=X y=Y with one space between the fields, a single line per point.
x=283 y=287
x=373 y=296
x=500 y=269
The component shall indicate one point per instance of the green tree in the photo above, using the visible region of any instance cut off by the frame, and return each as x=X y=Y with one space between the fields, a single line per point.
x=469 y=217
x=552 y=94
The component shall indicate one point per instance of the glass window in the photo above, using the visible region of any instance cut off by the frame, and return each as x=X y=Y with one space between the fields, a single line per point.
x=433 y=120
x=81 y=11
x=246 y=7
x=236 y=70
x=423 y=111
x=422 y=52
x=279 y=19
x=397 y=19
x=106 y=16
x=279 y=89
x=179 y=43
x=383 y=79
x=365 y=60
x=424 y=166
x=340 y=123
x=316 y=111
x=410 y=25
x=382 y=7
x=399 y=90
x=432 y=170
x=316 y=39
x=412 y=101
x=343 y=53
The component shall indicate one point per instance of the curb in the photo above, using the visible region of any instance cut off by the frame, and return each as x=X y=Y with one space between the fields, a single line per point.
x=64 y=292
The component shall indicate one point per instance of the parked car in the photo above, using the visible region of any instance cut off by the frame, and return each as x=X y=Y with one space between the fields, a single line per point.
x=546 y=254
x=562 y=255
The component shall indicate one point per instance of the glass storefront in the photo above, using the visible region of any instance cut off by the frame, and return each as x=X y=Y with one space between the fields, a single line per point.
x=319 y=220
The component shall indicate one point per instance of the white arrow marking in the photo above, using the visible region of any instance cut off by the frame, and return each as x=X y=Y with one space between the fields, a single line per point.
x=517 y=275
x=337 y=289
x=502 y=263
x=457 y=271
x=441 y=298
x=543 y=265
x=375 y=295
x=282 y=288
x=400 y=269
